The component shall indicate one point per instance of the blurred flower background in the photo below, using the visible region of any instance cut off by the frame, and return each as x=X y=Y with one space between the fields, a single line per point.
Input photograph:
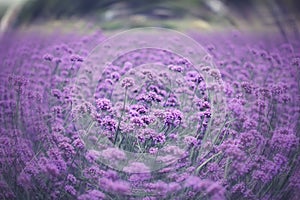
x=211 y=114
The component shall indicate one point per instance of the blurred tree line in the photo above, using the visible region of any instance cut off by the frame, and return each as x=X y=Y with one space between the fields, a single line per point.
x=42 y=10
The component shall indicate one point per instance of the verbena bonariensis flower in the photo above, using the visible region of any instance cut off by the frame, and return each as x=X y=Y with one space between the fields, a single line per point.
x=85 y=141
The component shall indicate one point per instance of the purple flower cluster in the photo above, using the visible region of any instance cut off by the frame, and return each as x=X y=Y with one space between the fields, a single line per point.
x=148 y=131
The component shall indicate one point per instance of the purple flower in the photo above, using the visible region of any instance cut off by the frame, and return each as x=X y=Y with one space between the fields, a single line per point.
x=92 y=155
x=176 y=68
x=92 y=195
x=118 y=187
x=174 y=187
x=109 y=124
x=72 y=179
x=159 y=138
x=159 y=187
x=48 y=57
x=173 y=117
x=24 y=180
x=70 y=190
x=136 y=167
x=76 y=58
x=78 y=143
x=52 y=169
x=194 y=182
x=115 y=76
x=103 y=104
x=153 y=150
x=127 y=83
x=114 y=154
x=190 y=140
x=284 y=139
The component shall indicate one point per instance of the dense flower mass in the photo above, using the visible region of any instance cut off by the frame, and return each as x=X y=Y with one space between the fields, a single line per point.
x=148 y=131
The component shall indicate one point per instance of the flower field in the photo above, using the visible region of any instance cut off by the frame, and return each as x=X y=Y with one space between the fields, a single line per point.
x=85 y=121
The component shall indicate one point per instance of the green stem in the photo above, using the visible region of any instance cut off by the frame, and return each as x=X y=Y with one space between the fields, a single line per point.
x=207 y=161
x=17 y=109
x=226 y=168
x=120 y=119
